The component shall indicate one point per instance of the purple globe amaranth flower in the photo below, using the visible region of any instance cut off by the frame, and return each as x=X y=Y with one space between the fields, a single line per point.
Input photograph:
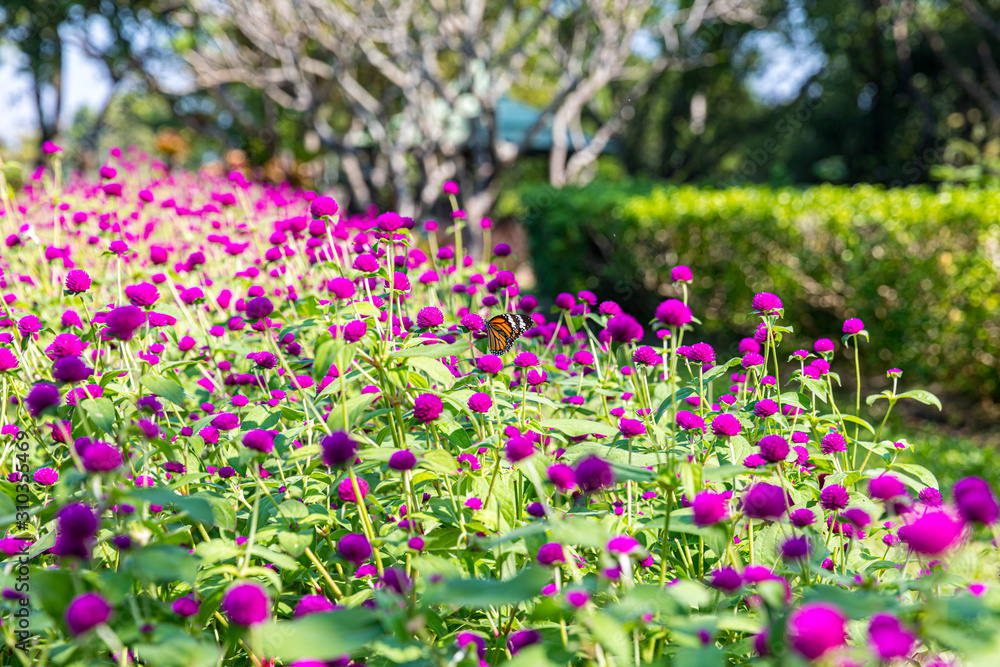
x=725 y=579
x=930 y=497
x=526 y=360
x=522 y=639
x=322 y=207
x=689 y=421
x=45 y=476
x=816 y=628
x=473 y=322
x=593 y=474
x=338 y=449
x=701 y=353
x=795 y=548
x=71 y=370
x=77 y=281
x=480 y=402
x=631 y=428
x=341 y=288
x=888 y=638
x=122 y=322
x=186 y=606
x=765 y=302
x=396 y=580
x=8 y=360
x=427 y=407
x=429 y=317
x=681 y=274
x=389 y=222
x=802 y=517
x=975 y=500
x=402 y=460
x=142 y=295
x=85 y=612
x=259 y=440
x=365 y=263
x=355 y=330
x=519 y=448
x=102 y=457
x=489 y=364
x=354 y=548
x=853 y=326
x=41 y=397
x=562 y=476
x=773 y=448
x=885 y=487
x=246 y=603
x=624 y=329
x=856 y=516
x=752 y=359
x=931 y=533
x=623 y=545
x=259 y=307
x=565 y=301
x=765 y=408
x=709 y=508
x=726 y=425
x=312 y=604
x=833 y=442
x=673 y=313
x=645 y=356
x=834 y=497
x=764 y=501
x=550 y=554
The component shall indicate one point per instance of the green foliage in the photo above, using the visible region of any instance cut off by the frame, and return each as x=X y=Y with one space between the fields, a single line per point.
x=918 y=266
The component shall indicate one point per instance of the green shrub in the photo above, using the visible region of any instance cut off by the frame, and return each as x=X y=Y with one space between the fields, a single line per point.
x=921 y=267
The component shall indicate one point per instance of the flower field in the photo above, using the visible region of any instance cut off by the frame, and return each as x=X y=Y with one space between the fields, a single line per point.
x=241 y=427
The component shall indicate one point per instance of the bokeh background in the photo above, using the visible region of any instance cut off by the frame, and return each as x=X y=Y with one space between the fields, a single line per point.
x=843 y=154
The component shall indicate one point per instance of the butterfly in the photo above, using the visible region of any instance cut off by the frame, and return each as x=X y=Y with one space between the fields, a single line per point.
x=506 y=328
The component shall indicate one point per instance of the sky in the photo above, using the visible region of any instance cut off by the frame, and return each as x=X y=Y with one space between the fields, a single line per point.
x=86 y=82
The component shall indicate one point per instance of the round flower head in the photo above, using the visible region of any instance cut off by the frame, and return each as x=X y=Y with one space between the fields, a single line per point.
x=355 y=330
x=246 y=604
x=71 y=370
x=142 y=295
x=802 y=517
x=725 y=579
x=624 y=329
x=354 y=548
x=885 y=487
x=562 y=476
x=833 y=442
x=427 y=407
x=389 y=222
x=726 y=426
x=853 y=326
x=888 y=638
x=102 y=457
x=366 y=263
x=41 y=397
x=402 y=460
x=8 y=360
x=631 y=428
x=45 y=476
x=341 y=288
x=550 y=554
x=765 y=408
x=689 y=421
x=764 y=501
x=795 y=548
x=645 y=356
x=123 y=322
x=259 y=440
x=77 y=281
x=773 y=448
x=86 y=611
x=522 y=639
x=976 y=502
x=815 y=628
x=338 y=449
x=565 y=301
x=767 y=303
x=312 y=604
x=429 y=317
x=519 y=448
x=259 y=307
x=681 y=274
x=709 y=508
x=930 y=497
x=489 y=364
x=480 y=402
x=593 y=474
x=322 y=207
x=396 y=580
x=931 y=533
x=834 y=497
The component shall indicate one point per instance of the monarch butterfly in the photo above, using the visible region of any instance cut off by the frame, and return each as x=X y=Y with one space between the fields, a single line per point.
x=504 y=329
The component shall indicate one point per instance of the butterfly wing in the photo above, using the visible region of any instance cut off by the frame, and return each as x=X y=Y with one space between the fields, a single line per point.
x=504 y=330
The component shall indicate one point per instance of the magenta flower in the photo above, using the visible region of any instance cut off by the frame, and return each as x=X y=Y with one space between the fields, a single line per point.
x=773 y=448
x=975 y=500
x=681 y=274
x=834 y=497
x=86 y=611
x=8 y=360
x=932 y=533
x=402 y=460
x=312 y=604
x=246 y=604
x=519 y=448
x=366 y=263
x=42 y=397
x=624 y=329
x=259 y=440
x=102 y=457
x=473 y=322
x=853 y=326
x=45 y=476
x=764 y=501
x=562 y=476
x=429 y=317
x=480 y=403
x=833 y=442
x=645 y=356
x=765 y=408
x=338 y=449
x=795 y=548
x=186 y=606
x=550 y=554
x=593 y=474
x=51 y=148
x=725 y=579
x=323 y=207
x=427 y=408
x=802 y=517
x=767 y=303
x=709 y=508
x=122 y=322
x=726 y=425
x=489 y=364
x=522 y=639
x=885 y=487
x=341 y=288
x=888 y=638
x=525 y=360
x=355 y=330
x=816 y=628
x=689 y=421
x=673 y=313
x=631 y=428
x=77 y=281
x=354 y=548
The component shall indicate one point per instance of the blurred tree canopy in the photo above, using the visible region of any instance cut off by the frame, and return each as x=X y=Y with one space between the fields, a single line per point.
x=389 y=99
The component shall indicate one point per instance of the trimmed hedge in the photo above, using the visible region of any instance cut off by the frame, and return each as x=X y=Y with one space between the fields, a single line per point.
x=921 y=268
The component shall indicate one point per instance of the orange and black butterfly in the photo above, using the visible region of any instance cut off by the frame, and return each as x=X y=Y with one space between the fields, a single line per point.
x=504 y=329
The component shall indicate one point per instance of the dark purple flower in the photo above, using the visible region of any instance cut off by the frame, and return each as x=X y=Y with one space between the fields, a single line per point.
x=726 y=425
x=624 y=329
x=795 y=548
x=186 y=606
x=519 y=448
x=70 y=370
x=834 y=497
x=395 y=579
x=709 y=508
x=764 y=501
x=522 y=639
x=312 y=604
x=123 y=322
x=402 y=460
x=550 y=553
x=773 y=448
x=246 y=604
x=765 y=408
x=354 y=548
x=975 y=500
x=86 y=611
x=102 y=457
x=427 y=407
x=725 y=579
x=259 y=440
x=338 y=449
x=593 y=474
x=816 y=628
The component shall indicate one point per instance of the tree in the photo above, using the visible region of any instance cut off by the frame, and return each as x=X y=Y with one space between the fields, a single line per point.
x=407 y=92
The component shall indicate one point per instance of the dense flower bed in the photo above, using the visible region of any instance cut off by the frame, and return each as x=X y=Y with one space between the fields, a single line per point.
x=242 y=428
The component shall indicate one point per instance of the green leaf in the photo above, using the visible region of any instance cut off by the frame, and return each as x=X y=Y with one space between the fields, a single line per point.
x=925 y=476
x=874 y=397
x=577 y=427
x=441 y=460
x=165 y=563
x=179 y=651
x=680 y=395
x=433 y=350
x=484 y=593
x=164 y=388
x=855 y=603
x=613 y=638
x=702 y=656
x=260 y=417
x=100 y=411
x=199 y=508
x=923 y=396
x=437 y=371
x=460 y=439
x=223 y=512
x=624 y=471
x=860 y=422
x=320 y=636
x=355 y=408
x=295 y=544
